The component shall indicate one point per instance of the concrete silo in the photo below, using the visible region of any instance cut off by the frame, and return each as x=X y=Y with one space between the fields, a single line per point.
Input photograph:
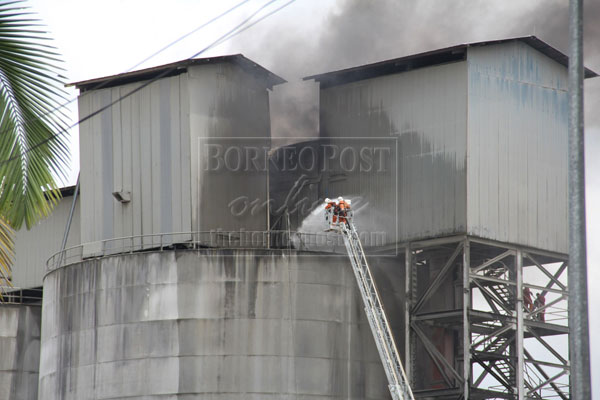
x=21 y=302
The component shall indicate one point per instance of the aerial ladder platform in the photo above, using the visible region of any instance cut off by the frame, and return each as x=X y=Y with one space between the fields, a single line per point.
x=380 y=327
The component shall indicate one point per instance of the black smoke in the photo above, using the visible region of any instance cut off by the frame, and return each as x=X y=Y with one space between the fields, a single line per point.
x=356 y=32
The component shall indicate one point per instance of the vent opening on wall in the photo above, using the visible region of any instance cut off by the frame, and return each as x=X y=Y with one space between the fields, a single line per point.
x=122 y=197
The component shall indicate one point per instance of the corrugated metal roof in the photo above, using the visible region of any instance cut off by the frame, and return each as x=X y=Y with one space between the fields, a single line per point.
x=177 y=68
x=435 y=57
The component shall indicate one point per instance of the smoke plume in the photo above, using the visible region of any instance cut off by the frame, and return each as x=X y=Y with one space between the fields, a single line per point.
x=356 y=32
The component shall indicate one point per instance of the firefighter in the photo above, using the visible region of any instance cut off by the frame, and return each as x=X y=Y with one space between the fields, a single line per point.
x=528 y=299
x=343 y=208
x=540 y=301
x=330 y=215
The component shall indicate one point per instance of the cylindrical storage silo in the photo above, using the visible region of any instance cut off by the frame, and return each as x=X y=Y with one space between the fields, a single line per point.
x=213 y=324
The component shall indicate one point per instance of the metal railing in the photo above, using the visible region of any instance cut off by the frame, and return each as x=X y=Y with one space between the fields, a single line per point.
x=241 y=239
x=15 y=295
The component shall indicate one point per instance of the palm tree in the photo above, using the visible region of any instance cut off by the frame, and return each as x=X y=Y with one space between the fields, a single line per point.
x=33 y=149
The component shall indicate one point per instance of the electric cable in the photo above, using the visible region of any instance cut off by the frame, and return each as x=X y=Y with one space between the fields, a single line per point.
x=220 y=40
x=255 y=22
x=104 y=83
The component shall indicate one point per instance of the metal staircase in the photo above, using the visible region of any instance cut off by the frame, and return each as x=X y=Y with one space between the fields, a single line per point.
x=398 y=383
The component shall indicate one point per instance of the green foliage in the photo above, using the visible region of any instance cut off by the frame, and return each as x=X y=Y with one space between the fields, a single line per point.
x=32 y=126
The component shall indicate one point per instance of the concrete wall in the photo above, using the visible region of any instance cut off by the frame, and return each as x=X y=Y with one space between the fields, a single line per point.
x=19 y=351
x=422 y=116
x=517 y=146
x=213 y=324
x=33 y=247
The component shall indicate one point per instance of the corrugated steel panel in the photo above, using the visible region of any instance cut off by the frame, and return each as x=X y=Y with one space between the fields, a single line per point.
x=517 y=146
x=135 y=146
x=425 y=110
x=148 y=145
x=33 y=247
x=228 y=108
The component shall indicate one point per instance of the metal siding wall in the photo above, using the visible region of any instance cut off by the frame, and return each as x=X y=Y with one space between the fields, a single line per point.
x=87 y=181
x=139 y=145
x=517 y=143
x=225 y=102
x=33 y=247
x=426 y=109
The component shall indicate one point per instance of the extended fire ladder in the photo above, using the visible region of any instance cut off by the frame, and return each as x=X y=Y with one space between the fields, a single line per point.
x=398 y=384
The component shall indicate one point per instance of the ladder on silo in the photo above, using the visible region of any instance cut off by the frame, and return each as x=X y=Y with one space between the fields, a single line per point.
x=380 y=327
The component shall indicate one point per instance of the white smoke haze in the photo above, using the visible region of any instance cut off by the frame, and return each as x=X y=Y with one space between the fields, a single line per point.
x=374 y=227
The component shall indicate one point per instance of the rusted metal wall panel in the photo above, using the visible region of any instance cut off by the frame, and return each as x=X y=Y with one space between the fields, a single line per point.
x=517 y=146
x=425 y=110
x=33 y=247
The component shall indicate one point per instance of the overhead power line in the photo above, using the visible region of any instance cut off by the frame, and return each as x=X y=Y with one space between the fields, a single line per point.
x=104 y=83
x=233 y=32
x=256 y=22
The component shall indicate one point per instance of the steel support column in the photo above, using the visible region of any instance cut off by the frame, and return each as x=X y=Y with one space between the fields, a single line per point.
x=466 y=334
x=407 y=307
x=496 y=333
x=520 y=328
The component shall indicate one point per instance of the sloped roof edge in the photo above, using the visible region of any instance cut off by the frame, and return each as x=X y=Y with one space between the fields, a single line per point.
x=429 y=58
x=177 y=68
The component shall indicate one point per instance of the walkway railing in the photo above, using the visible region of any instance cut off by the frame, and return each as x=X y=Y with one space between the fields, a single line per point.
x=198 y=240
x=15 y=295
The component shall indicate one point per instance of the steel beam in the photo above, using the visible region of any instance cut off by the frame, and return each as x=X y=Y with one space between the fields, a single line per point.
x=434 y=352
x=548 y=347
x=537 y=364
x=494 y=260
x=438 y=279
x=550 y=276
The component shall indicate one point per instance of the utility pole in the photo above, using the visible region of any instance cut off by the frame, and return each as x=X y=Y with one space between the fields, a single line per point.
x=579 y=342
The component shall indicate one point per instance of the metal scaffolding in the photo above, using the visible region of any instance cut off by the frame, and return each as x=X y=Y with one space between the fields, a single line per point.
x=491 y=319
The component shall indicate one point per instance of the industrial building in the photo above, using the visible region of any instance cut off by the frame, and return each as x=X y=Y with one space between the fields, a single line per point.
x=195 y=268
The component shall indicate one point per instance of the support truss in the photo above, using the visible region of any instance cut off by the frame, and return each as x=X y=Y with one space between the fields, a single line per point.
x=487 y=320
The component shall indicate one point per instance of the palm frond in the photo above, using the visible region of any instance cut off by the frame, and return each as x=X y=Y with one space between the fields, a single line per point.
x=32 y=124
x=6 y=256
x=30 y=95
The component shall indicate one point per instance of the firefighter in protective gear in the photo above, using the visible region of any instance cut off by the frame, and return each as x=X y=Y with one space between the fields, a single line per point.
x=343 y=209
x=528 y=299
x=330 y=215
x=540 y=302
